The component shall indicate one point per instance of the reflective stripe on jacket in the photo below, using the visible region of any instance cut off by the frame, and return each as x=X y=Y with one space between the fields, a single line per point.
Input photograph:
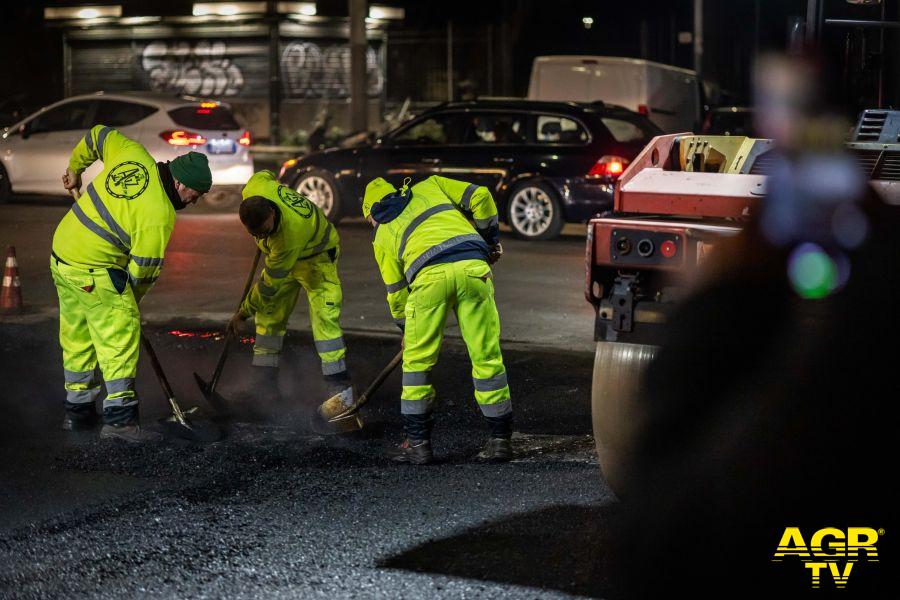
x=435 y=221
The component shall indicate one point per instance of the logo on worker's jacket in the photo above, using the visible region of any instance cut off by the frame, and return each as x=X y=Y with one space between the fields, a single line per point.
x=127 y=180
x=299 y=204
x=831 y=553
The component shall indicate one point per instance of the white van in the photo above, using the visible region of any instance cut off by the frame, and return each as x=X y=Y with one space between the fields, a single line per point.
x=669 y=96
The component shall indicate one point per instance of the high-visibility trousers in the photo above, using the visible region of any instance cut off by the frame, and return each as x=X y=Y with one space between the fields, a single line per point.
x=318 y=275
x=466 y=288
x=99 y=324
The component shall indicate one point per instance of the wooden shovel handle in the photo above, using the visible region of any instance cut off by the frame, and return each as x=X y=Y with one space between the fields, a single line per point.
x=228 y=336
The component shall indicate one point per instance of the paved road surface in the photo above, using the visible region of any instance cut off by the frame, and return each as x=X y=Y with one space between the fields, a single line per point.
x=539 y=285
x=275 y=511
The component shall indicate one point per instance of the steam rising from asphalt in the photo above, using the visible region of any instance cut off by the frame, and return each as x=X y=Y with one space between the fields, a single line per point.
x=300 y=385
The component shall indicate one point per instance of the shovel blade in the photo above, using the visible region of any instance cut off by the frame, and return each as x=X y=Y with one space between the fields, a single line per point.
x=332 y=408
x=197 y=430
x=216 y=401
x=346 y=424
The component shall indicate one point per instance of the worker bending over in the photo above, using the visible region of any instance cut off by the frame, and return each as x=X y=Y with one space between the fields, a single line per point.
x=433 y=261
x=302 y=249
x=107 y=252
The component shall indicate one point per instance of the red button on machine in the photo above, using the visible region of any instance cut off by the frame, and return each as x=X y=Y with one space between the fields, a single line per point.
x=668 y=249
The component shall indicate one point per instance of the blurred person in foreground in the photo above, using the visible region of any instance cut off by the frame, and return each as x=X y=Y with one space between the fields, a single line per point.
x=768 y=408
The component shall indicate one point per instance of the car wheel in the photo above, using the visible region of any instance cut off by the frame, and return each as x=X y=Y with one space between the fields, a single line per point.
x=223 y=199
x=5 y=186
x=319 y=186
x=534 y=212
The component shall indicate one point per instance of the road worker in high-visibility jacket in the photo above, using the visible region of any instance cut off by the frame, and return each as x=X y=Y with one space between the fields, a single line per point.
x=301 y=249
x=432 y=262
x=107 y=252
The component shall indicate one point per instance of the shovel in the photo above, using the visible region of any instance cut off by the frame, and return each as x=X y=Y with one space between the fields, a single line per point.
x=344 y=419
x=177 y=423
x=209 y=389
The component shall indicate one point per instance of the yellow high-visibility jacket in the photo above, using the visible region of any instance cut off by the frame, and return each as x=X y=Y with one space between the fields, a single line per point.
x=124 y=218
x=303 y=231
x=433 y=228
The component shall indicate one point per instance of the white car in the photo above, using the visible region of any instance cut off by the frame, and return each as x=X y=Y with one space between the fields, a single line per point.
x=34 y=152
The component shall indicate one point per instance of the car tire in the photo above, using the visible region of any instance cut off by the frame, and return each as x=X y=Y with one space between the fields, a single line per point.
x=320 y=187
x=224 y=199
x=534 y=212
x=5 y=186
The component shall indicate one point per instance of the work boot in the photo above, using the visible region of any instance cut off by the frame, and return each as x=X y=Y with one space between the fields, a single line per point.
x=129 y=433
x=497 y=450
x=414 y=452
x=80 y=418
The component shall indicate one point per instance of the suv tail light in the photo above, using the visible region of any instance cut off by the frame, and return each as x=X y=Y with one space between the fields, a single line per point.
x=643 y=109
x=180 y=137
x=245 y=140
x=609 y=166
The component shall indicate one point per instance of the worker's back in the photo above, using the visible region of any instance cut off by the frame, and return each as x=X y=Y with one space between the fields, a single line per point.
x=429 y=225
x=124 y=206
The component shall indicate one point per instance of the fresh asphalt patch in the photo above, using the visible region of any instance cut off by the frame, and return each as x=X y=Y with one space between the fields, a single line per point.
x=276 y=511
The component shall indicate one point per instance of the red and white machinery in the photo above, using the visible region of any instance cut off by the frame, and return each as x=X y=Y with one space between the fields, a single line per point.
x=680 y=198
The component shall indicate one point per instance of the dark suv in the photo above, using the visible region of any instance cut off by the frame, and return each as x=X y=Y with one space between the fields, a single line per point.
x=546 y=163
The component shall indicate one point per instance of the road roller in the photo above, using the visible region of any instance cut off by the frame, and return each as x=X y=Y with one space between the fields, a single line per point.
x=680 y=199
x=674 y=204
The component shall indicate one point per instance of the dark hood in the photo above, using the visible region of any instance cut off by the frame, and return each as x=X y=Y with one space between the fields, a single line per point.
x=389 y=208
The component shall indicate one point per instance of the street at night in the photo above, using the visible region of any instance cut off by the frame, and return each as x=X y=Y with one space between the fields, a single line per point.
x=542 y=286
x=402 y=299
x=278 y=511
x=185 y=516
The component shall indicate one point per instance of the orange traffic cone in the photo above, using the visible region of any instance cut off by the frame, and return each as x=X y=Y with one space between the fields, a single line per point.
x=11 y=292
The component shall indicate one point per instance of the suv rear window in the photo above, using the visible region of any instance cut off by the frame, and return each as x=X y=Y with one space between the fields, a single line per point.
x=494 y=128
x=115 y=113
x=556 y=129
x=628 y=130
x=204 y=117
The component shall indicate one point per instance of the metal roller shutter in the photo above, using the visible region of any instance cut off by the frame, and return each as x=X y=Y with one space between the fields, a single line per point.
x=320 y=68
x=107 y=66
x=215 y=68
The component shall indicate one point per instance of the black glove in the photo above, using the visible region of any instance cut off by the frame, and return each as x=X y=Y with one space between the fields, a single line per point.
x=236 y=323
x=496 y=253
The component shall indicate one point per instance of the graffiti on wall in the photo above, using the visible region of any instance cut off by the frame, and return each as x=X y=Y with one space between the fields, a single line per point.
x=214 y=68
x=313 y=71
x=202 y=68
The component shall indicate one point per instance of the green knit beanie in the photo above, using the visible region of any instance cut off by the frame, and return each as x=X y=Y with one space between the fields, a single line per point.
x=192 y=170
